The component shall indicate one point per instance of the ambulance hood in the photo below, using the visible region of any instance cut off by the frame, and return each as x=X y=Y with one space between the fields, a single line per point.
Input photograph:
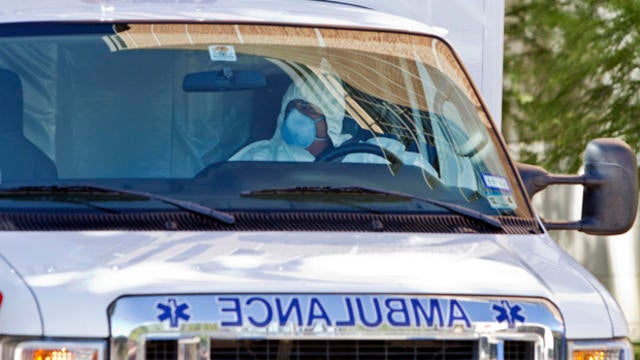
x=74 y=276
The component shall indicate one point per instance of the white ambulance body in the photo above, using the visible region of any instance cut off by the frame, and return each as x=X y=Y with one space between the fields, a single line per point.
x=222 y=179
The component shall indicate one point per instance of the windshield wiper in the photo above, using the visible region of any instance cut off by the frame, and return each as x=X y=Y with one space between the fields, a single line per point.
x=360 y=190
x=92 y=189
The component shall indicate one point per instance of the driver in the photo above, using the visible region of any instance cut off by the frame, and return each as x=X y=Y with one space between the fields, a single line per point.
x=305 y=126
x=310 y=124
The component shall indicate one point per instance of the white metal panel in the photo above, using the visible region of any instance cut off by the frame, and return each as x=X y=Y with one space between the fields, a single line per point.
x=623 y=272
x=266 y=11
x=76 y=275
x=612 y=259
x=19 y=314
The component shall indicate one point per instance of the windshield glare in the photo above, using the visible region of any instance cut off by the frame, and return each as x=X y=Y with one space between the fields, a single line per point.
x=203 y=112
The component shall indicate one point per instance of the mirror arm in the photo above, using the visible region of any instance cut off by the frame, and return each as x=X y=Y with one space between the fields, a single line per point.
x=562 y=225
x=537 y=179
x=557 y=179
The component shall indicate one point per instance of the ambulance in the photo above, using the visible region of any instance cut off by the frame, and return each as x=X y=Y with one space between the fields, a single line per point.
x=278 y=180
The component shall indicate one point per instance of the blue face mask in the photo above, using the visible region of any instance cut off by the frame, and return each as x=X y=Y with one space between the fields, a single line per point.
x=299 y=129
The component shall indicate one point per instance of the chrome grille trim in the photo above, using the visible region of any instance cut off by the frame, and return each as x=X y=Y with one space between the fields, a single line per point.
x=139 y=326
x=506 y=348
x=192 y=348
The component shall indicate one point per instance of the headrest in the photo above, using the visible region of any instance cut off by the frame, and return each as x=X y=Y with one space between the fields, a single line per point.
x=10 y=102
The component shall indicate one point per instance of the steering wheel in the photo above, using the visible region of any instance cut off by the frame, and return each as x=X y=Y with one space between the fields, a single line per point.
x=359 y=148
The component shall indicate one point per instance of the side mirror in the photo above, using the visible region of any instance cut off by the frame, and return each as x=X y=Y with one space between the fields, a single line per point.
x=610 y=180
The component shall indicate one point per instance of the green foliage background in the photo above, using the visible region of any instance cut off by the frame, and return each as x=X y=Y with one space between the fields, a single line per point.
x=571 y=74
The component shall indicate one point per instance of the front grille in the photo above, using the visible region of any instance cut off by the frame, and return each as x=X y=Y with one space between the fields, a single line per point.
x=518 y=350
x=210 y=335
x=341 y=350
x=161 y=350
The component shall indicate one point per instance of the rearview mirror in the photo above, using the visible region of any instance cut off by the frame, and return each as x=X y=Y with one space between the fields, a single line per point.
x=224 y=79
x=610 y=181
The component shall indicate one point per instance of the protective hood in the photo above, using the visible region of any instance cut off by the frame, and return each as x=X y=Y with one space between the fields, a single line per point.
x=329 y=100
x=327 y=95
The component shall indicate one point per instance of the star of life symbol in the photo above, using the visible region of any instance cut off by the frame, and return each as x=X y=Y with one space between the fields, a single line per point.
x=173 y=311
x=507 y=312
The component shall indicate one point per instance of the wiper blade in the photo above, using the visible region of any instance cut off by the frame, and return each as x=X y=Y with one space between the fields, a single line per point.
x=302 y=190
x=89 y=189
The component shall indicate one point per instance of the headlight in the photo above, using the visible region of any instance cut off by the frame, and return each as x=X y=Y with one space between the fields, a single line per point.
x=617 y=349
x=24 y=349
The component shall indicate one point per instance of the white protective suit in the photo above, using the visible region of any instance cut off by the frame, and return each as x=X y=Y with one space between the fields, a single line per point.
x=331 y=102
x=276 y=149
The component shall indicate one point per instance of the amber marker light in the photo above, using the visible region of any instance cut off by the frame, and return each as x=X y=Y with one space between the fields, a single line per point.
x=613 y=349
x=42 y=350
x=589 y=355
x=62 y=354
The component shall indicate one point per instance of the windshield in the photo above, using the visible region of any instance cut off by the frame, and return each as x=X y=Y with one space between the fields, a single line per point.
x=214 y=114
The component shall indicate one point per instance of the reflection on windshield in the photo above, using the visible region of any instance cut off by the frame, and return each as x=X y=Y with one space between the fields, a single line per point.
x=196 y=113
